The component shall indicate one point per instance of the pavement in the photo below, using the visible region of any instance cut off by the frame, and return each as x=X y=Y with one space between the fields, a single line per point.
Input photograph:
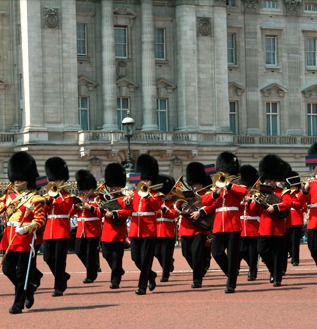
x=173 y=304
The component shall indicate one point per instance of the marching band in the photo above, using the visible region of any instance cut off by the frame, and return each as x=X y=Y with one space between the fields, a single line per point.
x=237 y=213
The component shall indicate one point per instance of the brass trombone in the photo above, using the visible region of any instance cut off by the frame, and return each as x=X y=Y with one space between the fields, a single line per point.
x=220 y=179
x=144 y=188
x=54 y=189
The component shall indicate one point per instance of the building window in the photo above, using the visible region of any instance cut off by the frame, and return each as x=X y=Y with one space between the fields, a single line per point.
x=231 y=3
x=271 y=50
x=272 y=119
x=233 y=117
x=83 y=107
x=231 y=48
x=159 y=44
x=312 y=119
x=81 y=39
x=269 y=4
x=310 y=7
x=162 y=107
x=123 y=106
x=121 y=42
x=311 y=52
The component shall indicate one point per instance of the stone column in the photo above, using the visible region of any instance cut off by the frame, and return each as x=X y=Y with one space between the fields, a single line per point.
x=108 y=67
x=187 y=82
x=148 y=68
x=32 y=68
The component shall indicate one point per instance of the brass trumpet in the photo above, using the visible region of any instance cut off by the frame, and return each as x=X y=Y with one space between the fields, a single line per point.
x=220 y=179
x=54 y=189
x=144 y=188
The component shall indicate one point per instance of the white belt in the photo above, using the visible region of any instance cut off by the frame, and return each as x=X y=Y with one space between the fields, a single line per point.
x=226 y=209
x=16 y=224
x=250 y=217
x=145 y=213
x=89 y=219
x=165 y=220
x=312 y=205
x=57 y=216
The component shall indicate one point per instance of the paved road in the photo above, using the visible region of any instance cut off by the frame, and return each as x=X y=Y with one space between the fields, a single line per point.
x=172 y=304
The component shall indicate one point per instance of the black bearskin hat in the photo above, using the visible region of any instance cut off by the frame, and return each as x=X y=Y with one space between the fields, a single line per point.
x=195 y=174
x=56 y=169
x=273 y=167
x=22 y=167
x=312 y=149
x=85 y=180
x=249 y=175
x=228 y=163
x=115 y=175
x=167 y=181
x=148 y=167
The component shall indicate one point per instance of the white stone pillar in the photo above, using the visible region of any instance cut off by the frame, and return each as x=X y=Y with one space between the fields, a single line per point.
x=108 y=67
x=32 y=68
x=187 y=82
x=148 y=68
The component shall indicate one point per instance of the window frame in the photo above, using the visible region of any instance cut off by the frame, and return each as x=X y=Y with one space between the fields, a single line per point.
x=313 y=38
x=270 y=7
x=81 y=109
x=269 y=118
x=274 y=53
x=234 y=47
x=157 y=44
x=85 y=39
x=159 y=110
x=311 y=117
x=234 y=114
x=121 y=111
x=116 y=44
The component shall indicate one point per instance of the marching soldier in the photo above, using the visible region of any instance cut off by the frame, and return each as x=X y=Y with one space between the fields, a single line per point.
x=116 y=210
x=166 y=228
x=24 y=214
x=59 y=204
x=88 y=224
x=142 y=233
x=276 y=203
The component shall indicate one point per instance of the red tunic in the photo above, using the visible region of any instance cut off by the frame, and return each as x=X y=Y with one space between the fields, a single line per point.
x=297 y=210
x=311 y=199
x=270 y=225
x=29 y=214
x=250 y=219
x=143 y=220
x=116 y=233
x=58 y=213
x=88 y=223
x=166 y=221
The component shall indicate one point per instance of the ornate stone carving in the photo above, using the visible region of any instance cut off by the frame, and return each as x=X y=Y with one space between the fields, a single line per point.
x=51 y=17
x=251 y=4
x=203 y=26
x=293 y=5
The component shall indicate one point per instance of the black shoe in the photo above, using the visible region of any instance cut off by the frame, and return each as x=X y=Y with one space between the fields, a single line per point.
x=38 y=280
x=230 y=290
x=57 y=293
x=114 y=286
x=88 y=281
x=122 y=271
x=152 y=283
x=140 y=291
x=251 y=278
x=15 y=310
x=295 y=263
x=271 y=279
x=29 y=300
x=196 y=285
x=172 y=265
x=277 y=283
x=67 y=277
x=164 y=279
x=283 y=273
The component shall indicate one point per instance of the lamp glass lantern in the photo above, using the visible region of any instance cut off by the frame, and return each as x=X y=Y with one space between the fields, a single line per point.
x=128 y=127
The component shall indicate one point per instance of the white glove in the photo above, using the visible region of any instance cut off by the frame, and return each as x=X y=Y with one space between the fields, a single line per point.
x=19 y=230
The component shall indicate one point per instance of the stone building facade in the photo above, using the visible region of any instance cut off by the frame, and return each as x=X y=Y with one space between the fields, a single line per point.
x=197 y=76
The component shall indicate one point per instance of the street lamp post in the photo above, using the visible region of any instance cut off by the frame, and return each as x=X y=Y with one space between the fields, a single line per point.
x=128 y=126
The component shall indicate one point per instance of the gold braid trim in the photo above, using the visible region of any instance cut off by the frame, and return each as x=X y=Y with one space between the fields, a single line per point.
x=38 y=215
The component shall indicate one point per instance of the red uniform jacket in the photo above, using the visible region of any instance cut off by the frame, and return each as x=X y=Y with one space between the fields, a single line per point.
x=58 y=214
x=270 y=224
x=226 y=208
x=29 y=213
x=297 y=210
x=166 y=221
x=116 y=233
x=88 y=220
x=311 y=199
x=250 y=218
x=143 y=220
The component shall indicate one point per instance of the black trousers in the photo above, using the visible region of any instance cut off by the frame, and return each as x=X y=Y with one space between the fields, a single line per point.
x=193 y=251
x=271 y=250
x=164 y=251
x=142 y=253
x=312 y=243
x=86 y=249
x=287 y=248
x=228 y=262
x=113 y=254
x=296 y=234
x=15 y=268
x=249 y=253
x=55 y=255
